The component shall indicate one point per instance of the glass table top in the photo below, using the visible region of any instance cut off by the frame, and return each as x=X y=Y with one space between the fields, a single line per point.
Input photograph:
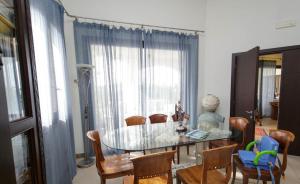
x=154 y=136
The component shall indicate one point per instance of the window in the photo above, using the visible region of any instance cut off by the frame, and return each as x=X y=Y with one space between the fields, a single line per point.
x=129 y=86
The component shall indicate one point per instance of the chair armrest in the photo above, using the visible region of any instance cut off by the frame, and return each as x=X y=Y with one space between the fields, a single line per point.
x=260 y=154
x=250 y=145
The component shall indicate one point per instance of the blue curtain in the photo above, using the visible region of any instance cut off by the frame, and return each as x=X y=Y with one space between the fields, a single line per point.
x=137 y=72
x=52 y=77
x=96 y=43
x=183 y=52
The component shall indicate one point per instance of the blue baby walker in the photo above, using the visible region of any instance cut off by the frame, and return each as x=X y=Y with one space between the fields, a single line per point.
x=264 y=158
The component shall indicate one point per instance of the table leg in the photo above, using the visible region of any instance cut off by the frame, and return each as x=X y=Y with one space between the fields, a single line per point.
x=187 y=149
x=198 y=153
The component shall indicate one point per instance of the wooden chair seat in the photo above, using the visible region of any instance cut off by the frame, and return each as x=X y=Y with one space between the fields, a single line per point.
x=116 y=165
x=192 y=175
x=154 y=180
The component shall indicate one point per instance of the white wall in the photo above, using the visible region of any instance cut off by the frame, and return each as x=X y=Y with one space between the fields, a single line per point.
x=239 y=25
x=189 y=14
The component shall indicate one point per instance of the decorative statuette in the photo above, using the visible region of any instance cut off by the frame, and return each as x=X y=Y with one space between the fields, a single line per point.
x=210 y=119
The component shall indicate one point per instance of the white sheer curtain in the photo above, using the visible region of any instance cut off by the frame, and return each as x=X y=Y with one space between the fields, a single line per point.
x=47 y=19
x=136 y=96
x=121 y=78
x=268 y=87
x=162 y=85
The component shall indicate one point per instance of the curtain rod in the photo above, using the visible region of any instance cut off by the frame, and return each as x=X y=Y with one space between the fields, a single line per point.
x=126 y=23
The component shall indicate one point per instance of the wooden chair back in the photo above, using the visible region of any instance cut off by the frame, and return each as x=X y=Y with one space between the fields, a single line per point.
x=284 y=138
x=95 y=138
x=217 y=158
x=185 y=116
x=135 y=120
x=240 y=124
x=153 y=165
x=158 y=118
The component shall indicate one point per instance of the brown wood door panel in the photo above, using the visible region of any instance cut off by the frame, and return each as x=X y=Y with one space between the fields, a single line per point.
x=289 y=107
x=244 y=86
x=21 y=161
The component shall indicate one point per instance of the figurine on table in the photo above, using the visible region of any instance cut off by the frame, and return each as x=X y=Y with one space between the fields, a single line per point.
x=180 y=116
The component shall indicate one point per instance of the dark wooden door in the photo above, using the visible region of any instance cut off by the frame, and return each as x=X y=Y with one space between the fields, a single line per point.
x=289 y=104
x=20 y=140
x=244 y=87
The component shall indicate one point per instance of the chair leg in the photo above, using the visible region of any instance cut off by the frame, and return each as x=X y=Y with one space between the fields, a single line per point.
x=245 y=179
x=277 y=179
x=178 y=154
x=103 y=180
x=178 y=180
x=210 y=145
x=233 y=173
x=187 y=149
x=166 y=149
x=144 y=152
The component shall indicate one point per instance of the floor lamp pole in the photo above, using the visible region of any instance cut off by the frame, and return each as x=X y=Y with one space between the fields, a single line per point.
x=85 y=73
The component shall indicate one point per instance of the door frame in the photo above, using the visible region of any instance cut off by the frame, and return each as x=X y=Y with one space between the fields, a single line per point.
x=278 y=50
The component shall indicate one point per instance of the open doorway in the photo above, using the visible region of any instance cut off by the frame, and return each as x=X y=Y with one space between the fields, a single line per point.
x=244 y=91
x=268 y=93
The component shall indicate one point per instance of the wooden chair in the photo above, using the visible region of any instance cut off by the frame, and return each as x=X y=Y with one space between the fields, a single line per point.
x=236 y=123
x=152 y=169
x=175 y=118
x=135 y=120
x=112 y=166
x=284 y=138
x=207 y=173
x=158 y=118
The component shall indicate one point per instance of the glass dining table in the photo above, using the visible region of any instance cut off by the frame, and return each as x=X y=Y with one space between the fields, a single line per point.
x=155 y=136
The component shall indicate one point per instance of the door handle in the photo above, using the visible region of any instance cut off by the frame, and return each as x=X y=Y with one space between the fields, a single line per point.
x=251 y=114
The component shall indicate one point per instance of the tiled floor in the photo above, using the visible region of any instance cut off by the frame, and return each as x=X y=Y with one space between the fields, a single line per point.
x=90 y=176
